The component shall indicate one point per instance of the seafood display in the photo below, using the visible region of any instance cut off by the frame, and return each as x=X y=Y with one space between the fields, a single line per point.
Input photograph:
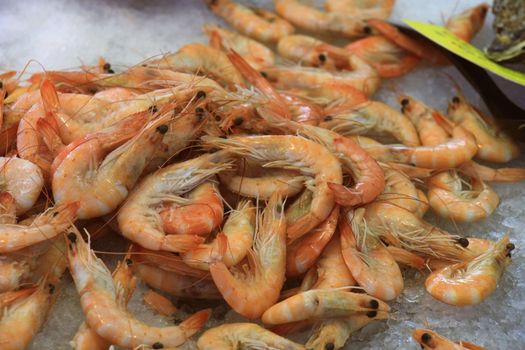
x=256 y=175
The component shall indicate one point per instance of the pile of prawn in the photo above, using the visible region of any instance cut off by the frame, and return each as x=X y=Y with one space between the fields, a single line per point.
x=283 y=190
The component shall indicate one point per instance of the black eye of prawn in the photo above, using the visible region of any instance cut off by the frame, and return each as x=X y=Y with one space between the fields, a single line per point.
x=162 y=129
x=425 y=337
x=463 y=242
x=455 y=99
x=158 y=345
x=72 y=237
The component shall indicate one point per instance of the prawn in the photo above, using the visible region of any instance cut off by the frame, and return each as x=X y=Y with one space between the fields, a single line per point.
x=243 y=335
x=361 y=8
x=23 y=316
x=255 y=53
x=366 y=173
x=238 y=230
x=386 y=57
x=139 y=218
x=44 y=227
x=460 y=148
x=368 y=260
x=334 y=85
x=429 y=340
x=257 y=288
x=469 y=283
x=159 y=303
x=23 y=180
x=297 y=153
x=88 y=339
x=302 y=254
x=468 y=23
x=98 y=298
x=256 y=23
x=323 y=303
x=494 y=144
x=316 y=21
x=372 y=117
x=423 y=118
x=447 y=197
x=402 y=228
x=200 y=59
x=199 y=214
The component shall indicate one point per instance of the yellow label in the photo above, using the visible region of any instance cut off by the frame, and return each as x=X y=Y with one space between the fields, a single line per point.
x=440 y=35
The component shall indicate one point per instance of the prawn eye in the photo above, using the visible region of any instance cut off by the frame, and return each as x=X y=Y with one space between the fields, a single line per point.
x=106 y=66
x=328 y=118
x=329 y=346
x=374 y=304
x=463 y=242
x=51 y=288
x=264 y=75
x=162 y=129
x=511 y=247
x=218 y=118
x=199 y=110
x=455 y=99
x=153 y=109
x=425 y=337
x=367 y=30
x=157 y=345
x=238 y=121
x=200 y=94
x=72 y=237
x=371 y=314
x=404 y=102
x=322 y=57
x=129 y=262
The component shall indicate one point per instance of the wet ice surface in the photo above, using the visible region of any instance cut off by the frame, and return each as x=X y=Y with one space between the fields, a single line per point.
x=60 y=34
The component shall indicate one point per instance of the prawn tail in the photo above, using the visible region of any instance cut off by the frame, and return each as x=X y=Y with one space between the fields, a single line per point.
x=47 y=127
x=345 y=196
x=215 y=38
x=49 y=96
x=446 y=124
x=195 y=322
x=222 y=245
x=8 y=138
x=181 y=243
x=292 y=327
x=8 y=298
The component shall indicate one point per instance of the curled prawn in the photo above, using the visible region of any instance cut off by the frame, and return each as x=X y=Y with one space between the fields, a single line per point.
x=297 y=153
x=139 y=218
x=200 y=59
x=447 y=197
x=314 y=20
x=303 y=253
x=372 y=117
x=252 y=291
x=494 y=144
x=256 y=23
x=198 y=214
x=98 y=298
x=469 y=283
x=368 y=260
x=238 y=230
